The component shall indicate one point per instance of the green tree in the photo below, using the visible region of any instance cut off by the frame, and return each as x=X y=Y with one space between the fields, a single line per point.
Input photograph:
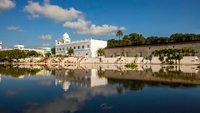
x=100 y=52
x=179 y=57
x=53 y=50
x=70 y=51
x=136 y=39
x=161 y=58
x=119 y=33
x=48 y=54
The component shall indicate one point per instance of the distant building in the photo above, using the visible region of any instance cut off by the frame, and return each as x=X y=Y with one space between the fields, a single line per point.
x=17 y=46
x=1 y=45
x=86 y=48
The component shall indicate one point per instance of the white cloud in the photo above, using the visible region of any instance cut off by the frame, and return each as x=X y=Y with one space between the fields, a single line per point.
x=46 y=37
x=73 y=19
x=14 y=28
x=51 y=11
x=83 y=27
x=6 y=4
x=80 y=24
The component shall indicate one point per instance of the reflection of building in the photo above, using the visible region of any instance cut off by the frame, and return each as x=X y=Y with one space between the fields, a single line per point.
x=83 y=78
x=66 y=85
x=86 y=48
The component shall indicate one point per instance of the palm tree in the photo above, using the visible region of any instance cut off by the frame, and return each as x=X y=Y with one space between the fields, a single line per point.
x=119 y=33
x=179 y=57
x=100 y=52
x=70 y=51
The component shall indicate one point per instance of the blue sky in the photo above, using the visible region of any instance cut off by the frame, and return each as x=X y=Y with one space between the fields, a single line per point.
x=40 y=22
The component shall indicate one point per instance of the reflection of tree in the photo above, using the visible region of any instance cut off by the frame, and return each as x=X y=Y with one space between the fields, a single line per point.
x=127 y=84
x=100 y=72
x=16 y=72
x=170 y=74
x=70 y=73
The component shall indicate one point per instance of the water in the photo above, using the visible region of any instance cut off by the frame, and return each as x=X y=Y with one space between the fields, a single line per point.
x=99 y=90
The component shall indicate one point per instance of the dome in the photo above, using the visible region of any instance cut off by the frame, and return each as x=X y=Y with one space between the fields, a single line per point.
x=65 y=37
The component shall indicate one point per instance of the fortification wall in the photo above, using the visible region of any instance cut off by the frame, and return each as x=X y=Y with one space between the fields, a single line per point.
x=145 y=50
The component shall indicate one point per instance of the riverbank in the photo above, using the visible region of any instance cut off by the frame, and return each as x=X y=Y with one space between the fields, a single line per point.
x=187 y=60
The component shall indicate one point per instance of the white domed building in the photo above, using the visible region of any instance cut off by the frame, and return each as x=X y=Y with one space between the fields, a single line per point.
x=82 y=48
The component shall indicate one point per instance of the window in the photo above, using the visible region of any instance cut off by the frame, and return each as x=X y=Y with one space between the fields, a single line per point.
x=74 y=47
x=78 y=47
x=60 y=49
x=88 y=46
x=83 y=46
x=63 y=48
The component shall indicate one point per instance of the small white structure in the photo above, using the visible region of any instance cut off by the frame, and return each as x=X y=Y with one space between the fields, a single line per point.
x=1 y=45
x=17 y=46
x=82 y=48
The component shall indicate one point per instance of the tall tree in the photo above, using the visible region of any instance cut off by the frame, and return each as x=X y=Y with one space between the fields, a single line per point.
x=100 y=52
x=119 y=34
x=53 y=50
x=70 y=51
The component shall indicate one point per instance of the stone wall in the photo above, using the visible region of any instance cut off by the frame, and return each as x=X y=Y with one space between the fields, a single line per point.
x=145 y=50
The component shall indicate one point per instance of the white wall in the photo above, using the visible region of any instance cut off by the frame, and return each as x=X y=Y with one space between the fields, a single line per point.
x=94 y=45
x=77 y=51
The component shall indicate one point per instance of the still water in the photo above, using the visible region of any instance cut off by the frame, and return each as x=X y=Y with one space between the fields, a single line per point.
x=86 y=90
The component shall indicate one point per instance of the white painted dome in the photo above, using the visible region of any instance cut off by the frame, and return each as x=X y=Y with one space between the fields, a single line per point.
x=66 y=38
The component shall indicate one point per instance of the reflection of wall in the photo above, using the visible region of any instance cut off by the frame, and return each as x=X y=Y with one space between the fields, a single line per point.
x=84 y=78
x=96 y=80
x=170 y=76
x=43 y=72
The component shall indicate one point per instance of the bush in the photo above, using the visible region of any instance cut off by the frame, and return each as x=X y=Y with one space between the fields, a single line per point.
x=131 y=65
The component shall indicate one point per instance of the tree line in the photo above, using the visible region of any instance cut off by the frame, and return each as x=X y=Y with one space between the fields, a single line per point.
x=138 y=39
x=170 y=55
x=16 y=54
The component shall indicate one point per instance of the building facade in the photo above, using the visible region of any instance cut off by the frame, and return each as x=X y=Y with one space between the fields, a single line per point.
x=82 y=48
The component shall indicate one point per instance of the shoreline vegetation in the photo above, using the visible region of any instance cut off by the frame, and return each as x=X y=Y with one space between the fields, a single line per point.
x=161 y=57
x=135 y=39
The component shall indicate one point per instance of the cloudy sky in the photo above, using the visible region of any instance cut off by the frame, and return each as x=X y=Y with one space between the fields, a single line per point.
x=40 y=22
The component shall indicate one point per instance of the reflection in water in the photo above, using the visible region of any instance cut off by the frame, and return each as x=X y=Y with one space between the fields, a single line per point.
x=97 y=90
x=17 y=72
x=83 y=78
